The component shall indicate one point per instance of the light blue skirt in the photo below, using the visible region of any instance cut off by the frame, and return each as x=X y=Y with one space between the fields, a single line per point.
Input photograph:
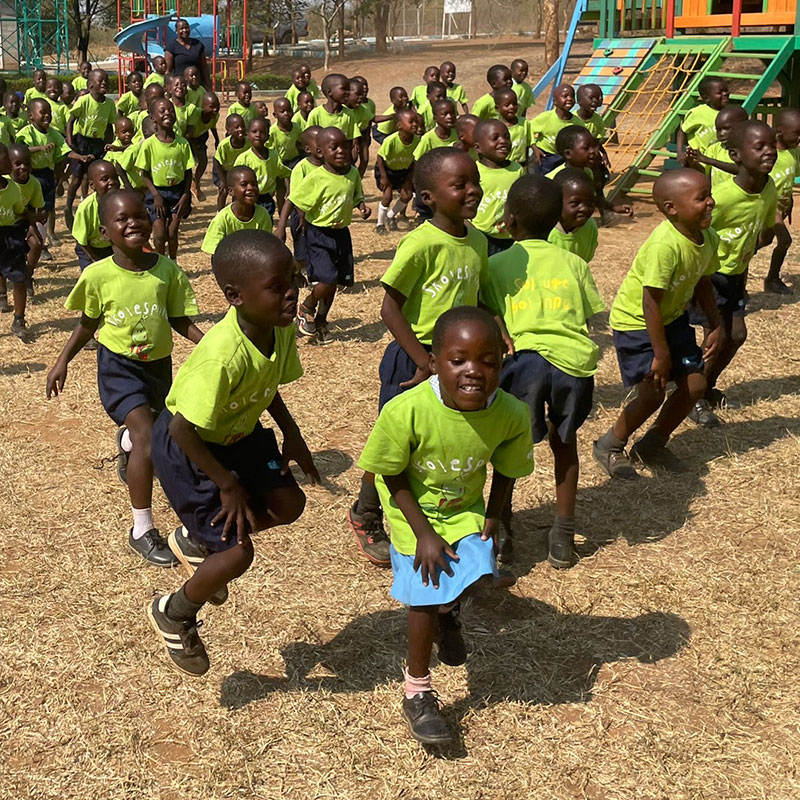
x=475 y=559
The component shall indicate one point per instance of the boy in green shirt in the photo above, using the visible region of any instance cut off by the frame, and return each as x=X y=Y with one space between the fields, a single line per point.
x=166 y=162
x=12 y=105
x=302 y=82
x=498 y=76
x=435 y=91
x=442 y=135
x=122 y=154
x=185 y=112
x=305 y=103
x=244 y=212
x=497 y=175
x=697 y=129
x=325 y=201
x=576 y=231
x=393 y=171
x=129 y=101
x=220 y=469
x=455 y=91
x=89 y=129
x=90 y=243
x=37 y=91
x=243 y=105
x=228 y=150
x=429 y=450
x=59 y=111
x=204 y=123
x=332 y=113
x=134 y=300
x=544 y=127
x=590 y=98
x=419 y=93
x=542 y=298
x=194 y=90
x=269 y=169
x=716 y=159
x=522 y=89
x=81 y=81
x=158 y=73
x=436 y=267
x=506 y=105
x=744 y=218
x=385 y=123
x=283 y=135
x=654 y=341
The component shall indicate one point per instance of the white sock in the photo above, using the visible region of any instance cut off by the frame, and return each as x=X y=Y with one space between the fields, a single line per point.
x=142 y=521
x=399 y=208
x=382 y=212
x=125 y=441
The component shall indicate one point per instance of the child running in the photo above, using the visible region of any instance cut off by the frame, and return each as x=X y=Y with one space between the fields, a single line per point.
x=134 y=300
x=654 y=341
x=544 y=127
x=576 y=231
x=229 y=149
x=91 y=244
x=393 y=171
x=436 y=267
x=697 y=129
x=429 y=450
x=498 y=77
x=220 y=469
x=269 y=169
x=543 y=298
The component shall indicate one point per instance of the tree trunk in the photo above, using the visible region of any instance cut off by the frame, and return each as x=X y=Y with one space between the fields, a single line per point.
x=326 y=39
x=341 y=31
x=292 y=21
x=550 y=13
x=381 y=20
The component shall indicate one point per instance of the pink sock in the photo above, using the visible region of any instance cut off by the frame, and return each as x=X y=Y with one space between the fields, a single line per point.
x=416 y=685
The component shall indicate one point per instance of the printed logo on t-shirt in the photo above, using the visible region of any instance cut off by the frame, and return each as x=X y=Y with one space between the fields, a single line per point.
x=446 y=281
x=555 y=302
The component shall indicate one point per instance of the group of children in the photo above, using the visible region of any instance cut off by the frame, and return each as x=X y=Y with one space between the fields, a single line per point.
x=487 y=300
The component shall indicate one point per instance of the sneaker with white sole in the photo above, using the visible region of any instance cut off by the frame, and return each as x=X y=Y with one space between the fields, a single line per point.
x=192 y=555
x=184 y=645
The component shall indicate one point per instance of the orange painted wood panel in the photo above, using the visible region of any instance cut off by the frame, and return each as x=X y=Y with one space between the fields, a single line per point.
x=726 y=20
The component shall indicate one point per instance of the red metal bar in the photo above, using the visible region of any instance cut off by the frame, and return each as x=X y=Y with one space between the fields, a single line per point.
x=736 y=22
x=245 y=47
x=671 y=18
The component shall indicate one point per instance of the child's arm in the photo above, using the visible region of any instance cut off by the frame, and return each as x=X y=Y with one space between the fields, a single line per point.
x=68 y=137
x=78 y=157
x=766 y=236
x=537 y=155
x=280 y=192
x=431 y=548
x=186 y=328
x=123 y=176
x=653 y=319
x=216 y=137
x=294 y=446
x=235 y=509
x=392 y=315
x=158 y=200
x=222 y=174
x=707 y=300
x=366 y=211
x=619 y=208
x=501 y=485
x=283 y=219
x=604 y=156
x=186 y=197
x=680 y=146
x=696 y=157
x=57 y=376
x=380 y=165
x=501 y=323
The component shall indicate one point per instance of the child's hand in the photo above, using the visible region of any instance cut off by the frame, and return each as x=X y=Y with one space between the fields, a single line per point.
x=295 y=449
x=431 y=552
x=659 y=372
x=280 y=232
x=49 y=147
x=491 y=530
x=713 y=343
x=236 y=512
x=422 y=374
x=108 y=148
x=184 y=206
x=366 y=212
x=537 y=156
x=87 y=159
x=158 y=204
x=623 y=208
x=56 y=379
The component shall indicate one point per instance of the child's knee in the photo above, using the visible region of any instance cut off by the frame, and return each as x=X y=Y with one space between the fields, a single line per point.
x=287 y=505
x=696 y=385
x=738 y=332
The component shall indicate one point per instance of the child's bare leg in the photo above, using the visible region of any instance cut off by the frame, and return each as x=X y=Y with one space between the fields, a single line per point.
x=200 y=170
x=736 y=330
x=172 y=234
x=421 y=630
x=160 y=235
x=4 y=304
x=783 y=240
x=72 y=191
x=561 y=539
x=322 y=295
x=20 y=291
x=363 y=148
x=139 y=423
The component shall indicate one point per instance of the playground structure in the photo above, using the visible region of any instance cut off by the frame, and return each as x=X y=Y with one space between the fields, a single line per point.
x=150 y=27
x=649 y=60
x=34 y=35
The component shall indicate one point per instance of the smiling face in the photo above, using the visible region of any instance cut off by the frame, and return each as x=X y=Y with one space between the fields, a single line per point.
x=243 y=186
x=507 y=105
x=399 y=98
x=40 y=115
x=726 y=119
x=266 y=296
x=689 y=202
x=456 y=192
x=493 y=141
x=135 y=84
x=258 y=133
x=519 y=70
x=85 y=68
x=584 y=151
x=210 y=105
x=163 y=114
x=40 y=80
x=20 y=164
x=564 y=97
x=53 y=89
x=160 y=65
x=234 y=127
x=500 y=79
x=126 y=223
x=68 y=93
x=103 y=177
x=12 y=104
x=578 y=204
x=468 y=364
x=305 y=102
x=431 y=74
x=178 y=87
x=244 y=93
x=757 y=152
x=282 y=109
x=788 y=130
x=447 y=73
x=98 y=83
x=123 y=128
x=338 y=91
x=182 y=30
x=333 y=149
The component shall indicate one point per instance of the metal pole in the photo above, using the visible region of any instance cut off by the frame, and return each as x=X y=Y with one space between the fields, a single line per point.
x=671 y=18
x=736 y=22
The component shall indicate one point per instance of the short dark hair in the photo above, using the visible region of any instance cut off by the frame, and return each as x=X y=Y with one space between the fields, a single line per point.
x=573 y=176
x=238 y=170
x=232 y=118
x=739 y=133
x=460 y=314
x=433 y=86
x=498 y=95
x=118 y=194
x=331 y=79
x=495 y=71
x=243 y=253
x=585 y=87
x=535 y=202
x=18 y=149
x=708 y=81
x=568 y=137
x=430 y=165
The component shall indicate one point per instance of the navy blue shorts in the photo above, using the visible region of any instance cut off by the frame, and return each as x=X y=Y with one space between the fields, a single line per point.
x=549 y=162
x=397 y=178
x=125 y=383
x=171 y=195
x=497 y=245
x=731 y=294
x=86 y=146
x=329 y=255
x=84 y=259
x=551 y=394
x=47 y=180
x=13 y=249
x=379 y=137
x=366 y=135
x=215 y=178
x=396 y=367
x=298 y=237
x=293 y=162
x=198 y=144
x=255 y=459
x=635 y=352
x=267 y=202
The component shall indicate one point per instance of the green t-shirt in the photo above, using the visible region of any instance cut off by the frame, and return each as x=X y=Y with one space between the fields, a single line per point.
x=430 y=141
x=153 y=77
x=227 y=222
x=525 y=99
x=739 y=217
x=519 y=142
x=299 y=171
x=227 y=154
x=247 y=113
x=17 y=123
x=7 y=131
x=699 y=127
x=33 y=137
x=60 y=116
x=92 y=118
x=581 y=241
x=185 y=117
x=134 y=308
x=443 y=453
x=563 y=165
x=544 y=127
x=435 y=272
x=299 y=120
x=86 y=228
x=596 y=126
x=227 y=382
x=327 y=198
x=484 y=107
x=79 y=83
x=495 y=184
x=292 y=93
x=457 y=94
x=545 y=297
x=31 y=194
x=390 y=126
x=198 y=126
x=395 y=154
x=166 y=162
x=137 y=118
x=719 y=152
x=426 y=112
x=362 y=116
x=127 y=104
x=341 y=120
x=195 y=96
x=12 y=205
x=284 y=143
x=419 y=95
x=786 y=169
x=669 y=261
x=268 y=170
x=127 y=161
x=32 y=93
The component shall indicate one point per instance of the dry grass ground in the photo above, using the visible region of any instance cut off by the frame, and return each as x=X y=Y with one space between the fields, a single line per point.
x=663 y=666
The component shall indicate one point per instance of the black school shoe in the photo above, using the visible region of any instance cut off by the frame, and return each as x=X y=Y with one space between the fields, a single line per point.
x=191 y=555
x=152 y=547
x=703 y=415
x=561 y=553
x=449 y=640
x=122 y=457
x=423 y=714
x=184 y=645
